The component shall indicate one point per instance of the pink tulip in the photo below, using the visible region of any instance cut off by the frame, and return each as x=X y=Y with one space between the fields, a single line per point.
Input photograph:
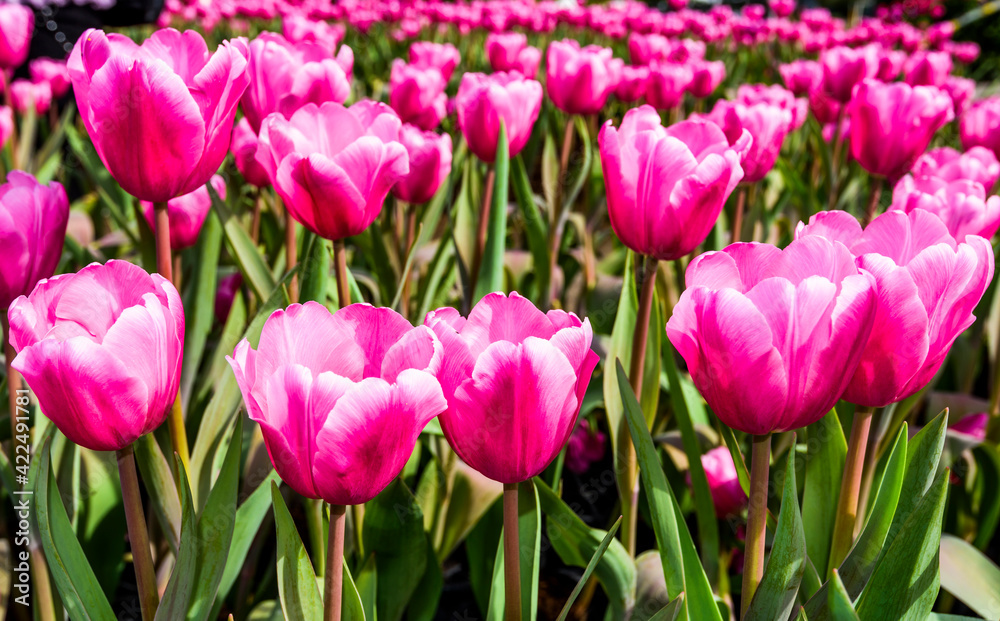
x=579 y=80
x=244 y=148
x=430 y=164
x=285 y=76
x=977 y=164
x=632 y=85
x=341 y=397
x=767 y=125
x=980 y=125
x=777 y=96
x=106 y=370
x=161 y=114
x=890 y=63
x=666 y=185
x=514 y=378
x=298 y=28
x=667 y=83
x=6 y=125
x=25 y=96
x=961 y=204
x=585 y=447
x=927 y=68
x=772 y=337
x=892 y=124
x=973 y=425
x=706 y=76
x=484 y=100
x=844 y=68
x=225 y=294
x=927 y=287
x=442 y=56
x=53 y=72
x=723 y=482
x=782 y=8
x=417 y=94
x=961 y=91
x=16 y=25
x=645 y=49
x=333 y=166
x=187 y=213
x=825 y=108
x=503 y=48
x=33 y=221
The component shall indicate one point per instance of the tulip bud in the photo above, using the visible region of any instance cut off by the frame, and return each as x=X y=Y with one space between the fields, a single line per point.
x=430 y=164
x=483 y=100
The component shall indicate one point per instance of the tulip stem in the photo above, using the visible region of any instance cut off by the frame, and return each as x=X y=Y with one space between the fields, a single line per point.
x=753 y=552
x=165 y=266
x=142 y=558
x=291 y=257
x=511 y=555
x=567 y=149
x=850 y=486
x=335 y=563
x=411 y=235
x=484 y=223
x=255 y=220
x=873 y=199
x=15 y=385
x=741 y=202
x=340 y=272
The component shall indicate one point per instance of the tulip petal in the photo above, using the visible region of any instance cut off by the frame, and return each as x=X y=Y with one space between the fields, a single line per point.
x=501 y=318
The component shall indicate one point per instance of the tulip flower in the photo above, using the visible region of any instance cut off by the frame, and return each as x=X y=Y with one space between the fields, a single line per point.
x=706 y=77
x=16 y=25
x=160 y=114
x=106 y=371
x=417 y=94
x=927 y=288
x=6 y=125
x=187 y=213
x=514 y=378
x=777 y=96
x=442 y=56
x=298 y=28
x=890 y=63
x=286 y=76
x=892 y=124
x=25 y=96
x=632 y=85
x=585 y=447
x=734 y=323
x=430 y=164
x=483 y=100
x=51 y=71
x=33 y=220
x=645 y=49
x=980 y=125
x=972 y=425
x=961 y=204
x=341 y=397
x=666 y=185
x=244 y=148
x=767 y=125
x=509 y=51
x=723 y=482
x=579 y=80
x=225 y=294
x=844 y=68
x=333 y=166
x=961 y=91
x=928 y=68
x=667 y=83
x=977 y=164
x=782 y=8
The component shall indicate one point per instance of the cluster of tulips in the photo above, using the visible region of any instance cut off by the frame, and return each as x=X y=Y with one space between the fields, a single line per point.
x=349 y=252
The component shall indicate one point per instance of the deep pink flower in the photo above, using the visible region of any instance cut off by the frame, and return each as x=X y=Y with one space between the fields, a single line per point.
x=772 y=337
x=333 y=166
x=980 y=125
x=585 y=447
x=632 y=86
x=52 y=71
x=161 y=114
x=187 y=213
x=778 y=96
x=6 y=125
x=844 y=68
x=723 y=482
x=667 y=83
x=483 y=100
x=341 y=398
x=25 y=96
x=977 y=164
x=927 y=287
x=972 y=425
x=444 y=56
x=802 y=77
x=417 y=94
x=514 y=378
x=782 y=8
x=298 y=28
x=706 y=76
x=244 y=148
x=767 y=125
x=430 y=164
x=892 y=124
x=105 y=371
x=927 y=67
x=16 y=25
x=961 y=91
x=503 y=48
x=285 y=76
x=579 y=80
x=225 y=293
x=890 y=63
x=961 y=204
x=33 y=221
x=666 y=185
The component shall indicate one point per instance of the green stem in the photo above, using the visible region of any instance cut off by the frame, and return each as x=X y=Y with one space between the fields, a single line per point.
x=753 y=554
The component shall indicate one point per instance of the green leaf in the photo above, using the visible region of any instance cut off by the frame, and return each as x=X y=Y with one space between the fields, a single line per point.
x=424 y=604
x=297 y=588
x=351 y=608
x=594 y=560
x=201 y=306
x=550 y=172
x=826 y=455
x=776 y=595
x=537 y=230
x=905 y=582
x=251 y=262
x=708 y=526
x=315 y=270
x=970 y=576
x=588 y=161
x=173 y=605
x=671 y=611
x=986 y=484
x=839 y=602
x=481 y=552
x=491 y=269
x=159 y=481
x=367 y=587
x=575 y=543
x=78 y=587
x=469 y=498
x=923 y=456
x=393 y=530
x=101 y=519
x=741 y=464
x=681 y=566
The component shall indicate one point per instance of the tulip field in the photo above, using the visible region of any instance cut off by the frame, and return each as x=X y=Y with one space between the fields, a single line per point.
x=500 y=310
